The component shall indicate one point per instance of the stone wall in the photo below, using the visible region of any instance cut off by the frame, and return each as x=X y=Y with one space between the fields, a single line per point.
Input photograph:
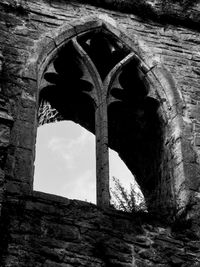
x=5 y=127
x=40 y=230
x=50 y=231
x=177 y=12
x=23 y=27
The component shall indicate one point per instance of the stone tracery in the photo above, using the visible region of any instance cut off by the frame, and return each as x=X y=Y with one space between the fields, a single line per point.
x=95 y=80
x=158 y=140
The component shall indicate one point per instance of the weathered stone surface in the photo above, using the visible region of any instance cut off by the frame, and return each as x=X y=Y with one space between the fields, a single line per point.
x=45 y=239
x=4 y=135
x=54 y=264
x=182 y=12
x=43 y=230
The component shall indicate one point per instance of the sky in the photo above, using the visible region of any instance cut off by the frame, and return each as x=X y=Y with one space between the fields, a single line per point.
x=65 y=162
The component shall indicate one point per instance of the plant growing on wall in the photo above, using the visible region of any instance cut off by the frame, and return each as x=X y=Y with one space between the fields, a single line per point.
x=129 y=201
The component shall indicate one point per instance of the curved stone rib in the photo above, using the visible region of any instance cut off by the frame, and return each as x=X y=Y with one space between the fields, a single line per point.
x=98 y=85
x=87 y=80
x=112 y=75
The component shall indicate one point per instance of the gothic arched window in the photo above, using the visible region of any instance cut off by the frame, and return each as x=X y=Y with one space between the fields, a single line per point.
x=95 y=80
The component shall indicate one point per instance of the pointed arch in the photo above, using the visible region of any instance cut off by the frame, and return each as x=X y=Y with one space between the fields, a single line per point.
x=158 y=79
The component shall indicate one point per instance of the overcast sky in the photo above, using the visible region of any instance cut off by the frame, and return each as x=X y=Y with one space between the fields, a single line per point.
x=65 y=162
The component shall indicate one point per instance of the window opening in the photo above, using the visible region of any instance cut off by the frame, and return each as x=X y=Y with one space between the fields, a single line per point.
x=134 y=128
x=96 y=81
x=126 y=194
x=65 y=161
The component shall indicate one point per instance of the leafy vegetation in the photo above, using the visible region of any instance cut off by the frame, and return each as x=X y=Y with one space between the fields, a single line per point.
x=129 y=201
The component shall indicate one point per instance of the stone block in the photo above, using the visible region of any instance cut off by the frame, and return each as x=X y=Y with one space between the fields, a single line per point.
x=26 y=135
x=189 y=155
x=4 y=135
x=196 y=127
x=23 y=135
x=149 y=254
x=194 y=112
x=30 y=70
x=2 y=176
x=29 y=89
x=85 y=24
x=188 y=131
x=63 y=34
x=116 y=263
x=86 y=249
x=49 y=263
x=12 y=261
x=27 y=109
x=23 y=169
x=42 y=207
x=1 y=194
x=10 y=165
x=177 y=261
x=192 y=174
x=197 y=140
x=13 y=88
x=194 y=246
x=18 y=188
x=44 y=48
x=62 y=232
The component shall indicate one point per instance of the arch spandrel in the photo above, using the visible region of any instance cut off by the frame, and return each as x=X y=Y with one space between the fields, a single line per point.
x=166 y=93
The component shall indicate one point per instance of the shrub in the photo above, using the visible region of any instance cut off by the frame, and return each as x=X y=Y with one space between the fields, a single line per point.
x=132 y=201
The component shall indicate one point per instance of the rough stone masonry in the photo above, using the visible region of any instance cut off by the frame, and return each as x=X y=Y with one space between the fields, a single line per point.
x=129 y=72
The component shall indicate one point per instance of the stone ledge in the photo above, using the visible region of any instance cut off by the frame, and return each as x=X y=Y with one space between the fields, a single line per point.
x=50 y=198
x=5 y=117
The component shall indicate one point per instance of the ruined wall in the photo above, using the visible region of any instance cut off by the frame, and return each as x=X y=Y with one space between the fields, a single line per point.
x=50 y=231
x=28 y=218
x=175 y=48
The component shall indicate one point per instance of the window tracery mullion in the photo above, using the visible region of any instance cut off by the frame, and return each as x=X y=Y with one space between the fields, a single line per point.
x=101 y=130
x=113 y=74
x=98 y=85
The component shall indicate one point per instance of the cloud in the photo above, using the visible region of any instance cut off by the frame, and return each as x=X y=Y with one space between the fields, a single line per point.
x=69 y=148
x=81 y=140
x=59 y=147
x=82 y=187
x=65 y=162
